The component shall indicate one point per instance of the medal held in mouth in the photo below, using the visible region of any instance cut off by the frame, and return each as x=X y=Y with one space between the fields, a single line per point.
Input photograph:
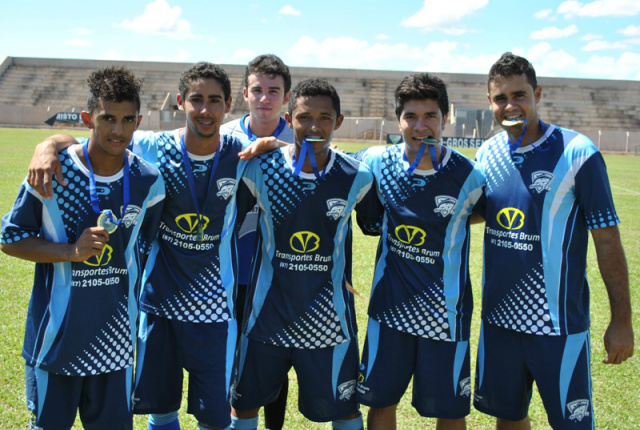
x=106 y=218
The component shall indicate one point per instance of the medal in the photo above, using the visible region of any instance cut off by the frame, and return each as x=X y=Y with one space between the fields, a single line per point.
x=200 y=233
x=430 y=142
x=108 y=221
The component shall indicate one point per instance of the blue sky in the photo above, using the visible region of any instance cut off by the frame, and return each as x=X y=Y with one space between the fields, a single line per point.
x=590 y=39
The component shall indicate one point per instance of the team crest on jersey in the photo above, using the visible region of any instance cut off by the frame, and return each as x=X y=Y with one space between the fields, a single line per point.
x=337 y=208
x=578 y=409
x=304 y=242
x=131 y=216
x=541 y=181
x=347 y=389
x=445 y=205
x=225 y=187
x=100 y=260
x=465 y=387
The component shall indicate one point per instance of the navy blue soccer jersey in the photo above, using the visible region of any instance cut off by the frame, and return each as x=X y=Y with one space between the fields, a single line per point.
x=247 y=232
x=298 y=294
x=421 y=282
x=82 y=316
x=189 y=278
x=540 y=203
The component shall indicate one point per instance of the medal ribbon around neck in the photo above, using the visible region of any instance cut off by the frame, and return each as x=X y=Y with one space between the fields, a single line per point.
x=514 y=146
x=252 y=137
x=432 y=153
x=106 y=219
x=192 y=183
x=307 y=149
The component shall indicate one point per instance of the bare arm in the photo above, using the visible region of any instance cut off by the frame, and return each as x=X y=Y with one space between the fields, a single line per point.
x=618 y=338
x=45 y=164
x=36 y=249
x=261 y=146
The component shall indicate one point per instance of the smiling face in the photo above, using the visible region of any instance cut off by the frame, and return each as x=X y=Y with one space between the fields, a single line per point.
x=265 y=96
x=205 y=106
x=112 y=125
x=512 y=100
x=419 y=120
x=314 y=117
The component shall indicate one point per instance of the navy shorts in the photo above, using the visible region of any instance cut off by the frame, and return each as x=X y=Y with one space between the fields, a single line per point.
x=509 y=362
x=205 y=350
x=326 y=378
x=104 y=401
x=440 y=370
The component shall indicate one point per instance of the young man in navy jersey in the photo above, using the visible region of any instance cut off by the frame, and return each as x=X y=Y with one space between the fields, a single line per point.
x=86 y=242
x=421 y=299
x=267 y=88
x=300 y=312
x=547 y=186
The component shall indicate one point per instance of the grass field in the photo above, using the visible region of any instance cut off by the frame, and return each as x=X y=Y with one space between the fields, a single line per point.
x=616 y=388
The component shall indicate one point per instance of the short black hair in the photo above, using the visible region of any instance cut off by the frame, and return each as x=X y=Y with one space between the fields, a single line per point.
x=422 y=86
x=509 y=65
x=271 y=66
x=113 y=84
x=312 y=88
x=204 y=70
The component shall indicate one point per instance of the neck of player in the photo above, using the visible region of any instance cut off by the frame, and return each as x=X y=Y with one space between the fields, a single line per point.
x=263 y=128
x=200 y=145
x=102 y=163
x=322 y=159
x=425 y=162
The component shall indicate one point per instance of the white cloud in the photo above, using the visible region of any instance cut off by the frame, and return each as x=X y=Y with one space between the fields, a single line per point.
x=543 y=14
x=180 y=56
x=601 y=45
x=599 y=8
x=591 y=36
x=626 y=66
x=162 y=19
x=554 y=32
x=78 y=42
x=382 y=36
x=438 y=15
x=242 y=56
x=289 y=10
x=632 y=30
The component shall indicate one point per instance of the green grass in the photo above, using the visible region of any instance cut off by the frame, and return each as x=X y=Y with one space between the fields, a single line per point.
x=616 y=388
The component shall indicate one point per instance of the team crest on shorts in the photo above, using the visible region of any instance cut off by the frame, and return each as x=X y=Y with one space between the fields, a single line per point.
x=225 y=187
x=130 y=218
x=445 y=205
x=465 y=387
x=337 y=208
x=578 y=409
x=347 y=389
x=541 y=181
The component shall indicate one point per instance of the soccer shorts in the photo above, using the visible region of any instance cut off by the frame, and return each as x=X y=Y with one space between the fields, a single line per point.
x=326 y=378
x=509 y=362
x=205 y=350
x=440 y=370
x=104 y=401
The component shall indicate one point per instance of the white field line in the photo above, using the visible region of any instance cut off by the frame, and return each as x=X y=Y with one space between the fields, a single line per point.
x=626 y=189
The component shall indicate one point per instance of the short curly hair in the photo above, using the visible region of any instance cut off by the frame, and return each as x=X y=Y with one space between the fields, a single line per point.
x=509 y=65
x=312 y=88
x=114 y=84
x=271 y=66
x=204 y=70
x=421 y=86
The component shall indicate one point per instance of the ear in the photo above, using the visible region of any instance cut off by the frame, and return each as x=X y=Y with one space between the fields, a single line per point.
x=138 y=121
x=445 y=120
x=538 y=93
x=245 y=93
x=180 y=102
x=227 y=105
x=86 y=119
x=287 y=117
x=287 y=96
x=338 y=122
x=489 y=98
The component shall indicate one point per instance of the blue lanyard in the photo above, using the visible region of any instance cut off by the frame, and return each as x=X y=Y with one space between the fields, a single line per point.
x=432 y=153
x=95 y=204
x=192 y=183
x=514 y=146
x=307 y=149
x=252 y=137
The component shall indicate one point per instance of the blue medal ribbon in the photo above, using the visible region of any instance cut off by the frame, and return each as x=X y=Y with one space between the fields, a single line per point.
x=192 y=183
x=95 y=204
x=514 y=146
x=432 y=153
x=252 y=137
x=306 y=149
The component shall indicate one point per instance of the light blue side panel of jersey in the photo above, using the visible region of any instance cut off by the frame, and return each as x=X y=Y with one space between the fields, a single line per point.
x=558 y=204
x=382 y=261
x=339 y=353
x=457 y=236
x=461 y=352
x=573 y=346
x=53 y=229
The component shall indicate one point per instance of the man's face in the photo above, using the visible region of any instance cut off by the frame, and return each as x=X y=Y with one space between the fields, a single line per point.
x=421 y=119
x=205 y=107
x=112 y=125
x=314 y=117
x=513 y=98
x=265 y=97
